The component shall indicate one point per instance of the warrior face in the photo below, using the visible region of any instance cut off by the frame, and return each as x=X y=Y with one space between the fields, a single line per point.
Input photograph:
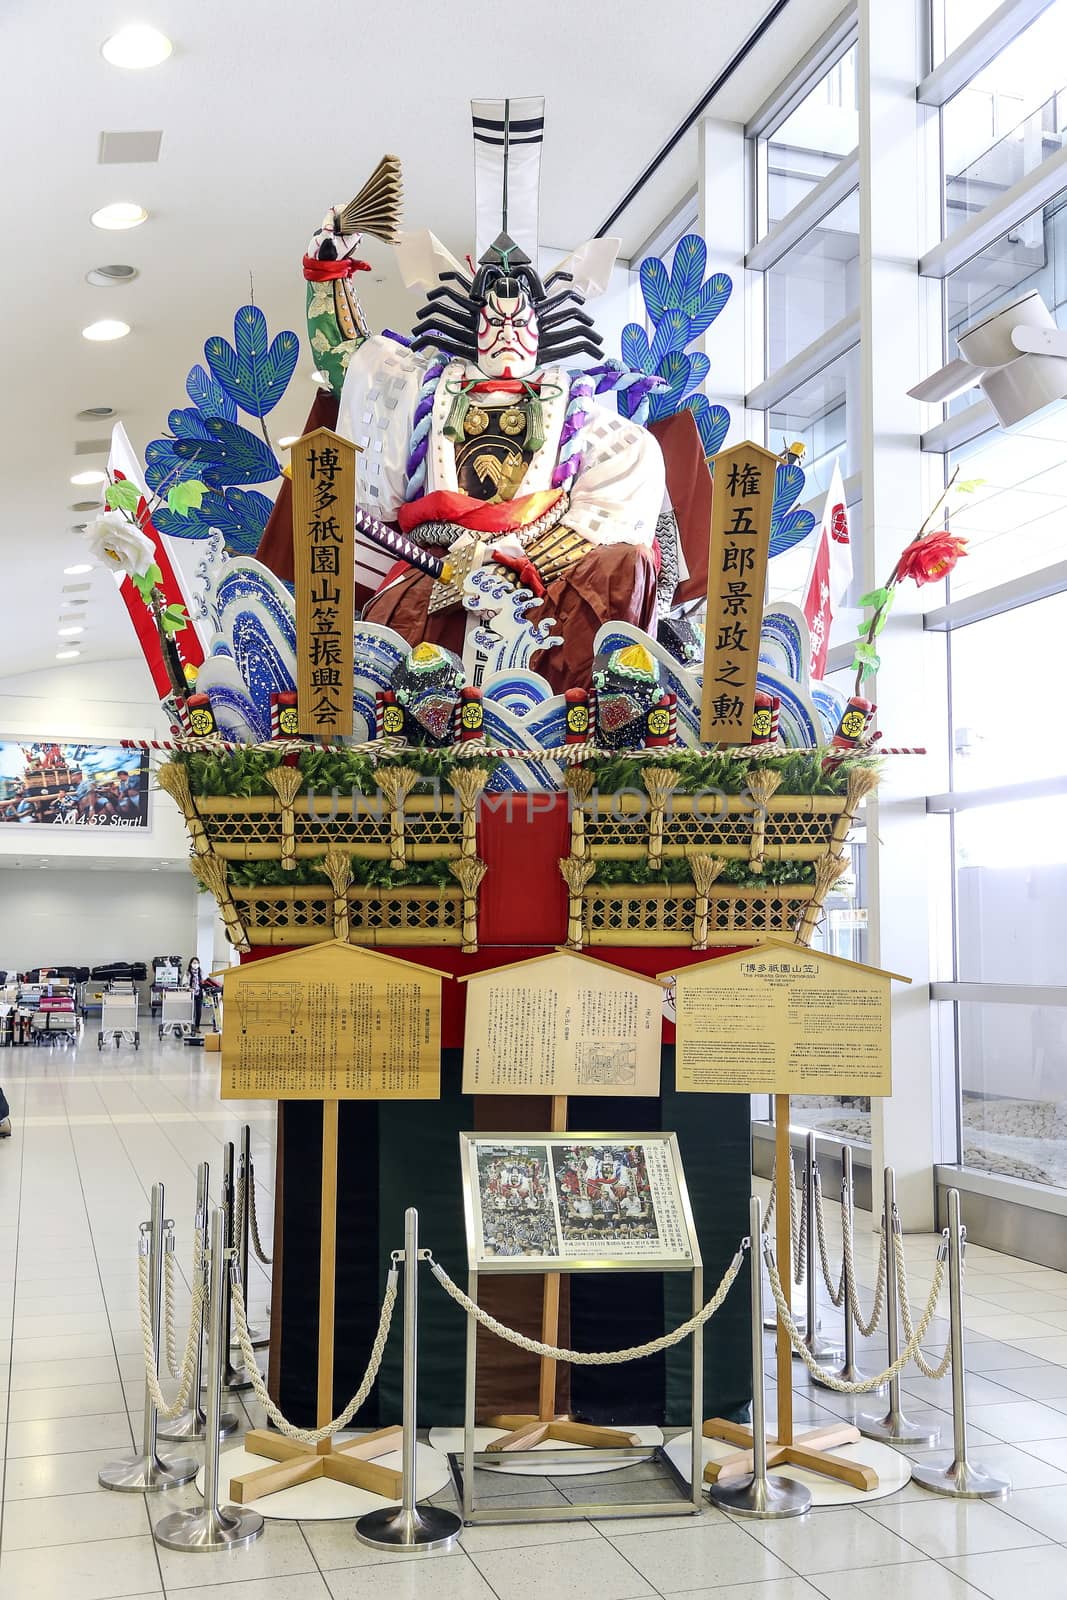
x=507 y=332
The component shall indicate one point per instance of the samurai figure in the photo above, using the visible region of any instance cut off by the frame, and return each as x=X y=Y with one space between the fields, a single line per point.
x=476 y=438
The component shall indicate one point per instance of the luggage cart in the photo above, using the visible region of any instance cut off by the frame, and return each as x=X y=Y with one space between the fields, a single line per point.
x=177 y=1014
x=118 y=1017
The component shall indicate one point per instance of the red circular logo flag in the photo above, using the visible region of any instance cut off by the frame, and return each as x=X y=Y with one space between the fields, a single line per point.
x=839 y=524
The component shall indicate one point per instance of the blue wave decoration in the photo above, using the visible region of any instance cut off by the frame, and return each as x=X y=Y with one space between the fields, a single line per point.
x=253 y=372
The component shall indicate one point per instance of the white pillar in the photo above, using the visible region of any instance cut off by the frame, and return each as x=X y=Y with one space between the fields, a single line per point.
x=208 y=922
x=900 y=342
x=734 y=342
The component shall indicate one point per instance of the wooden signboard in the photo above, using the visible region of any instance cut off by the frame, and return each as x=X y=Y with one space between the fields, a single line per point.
x=323 y=467
x=780 y=1018
x=332 y=1022
x=562 y=1024
x=737 y=573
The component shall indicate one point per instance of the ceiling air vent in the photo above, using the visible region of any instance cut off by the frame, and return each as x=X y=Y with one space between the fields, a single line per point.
x=94 y=413
x=92 y=447
x=75 y=588
x=126 y=149
x=108 y=277
x=86 y=505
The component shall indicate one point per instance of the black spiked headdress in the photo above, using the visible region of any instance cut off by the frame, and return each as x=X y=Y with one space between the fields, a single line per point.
x=449 y=319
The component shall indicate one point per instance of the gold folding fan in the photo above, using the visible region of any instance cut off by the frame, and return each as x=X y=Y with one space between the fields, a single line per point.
x=376 y=208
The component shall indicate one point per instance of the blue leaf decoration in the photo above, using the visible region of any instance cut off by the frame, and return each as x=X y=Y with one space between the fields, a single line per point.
x=699 y=367
x=655 y=286
x=788 y=530
x=231 y=454
x=635 y=352
x=708 y=302
x=251 y=372
x=788 y=487
x=188 y=424
x=676 y=370
x=164 y=467
x=239 y=515
x=713 y=422
x=687 y=270
x=672 y=333
x=208 y=396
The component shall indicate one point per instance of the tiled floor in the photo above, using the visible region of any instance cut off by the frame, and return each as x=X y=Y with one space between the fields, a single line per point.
x=93 y=1132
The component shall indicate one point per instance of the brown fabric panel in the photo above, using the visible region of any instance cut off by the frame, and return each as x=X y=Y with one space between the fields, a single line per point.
x=689 y=488
x=276 y=546
x=614 y=583
x=508 y=1378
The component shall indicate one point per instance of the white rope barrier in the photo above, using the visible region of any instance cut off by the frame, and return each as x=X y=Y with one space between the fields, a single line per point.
x=281 y=1422
x=921 y=1362
x=246 y=1195
x=593 y=1358
x=837 y=1295
x=187 y=1371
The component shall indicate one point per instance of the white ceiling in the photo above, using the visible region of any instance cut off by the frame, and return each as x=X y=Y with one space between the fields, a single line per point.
x=269 y=115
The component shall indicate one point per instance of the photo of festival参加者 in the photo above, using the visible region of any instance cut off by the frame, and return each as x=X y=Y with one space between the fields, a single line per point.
x=603 y=1192
x=516 y=1201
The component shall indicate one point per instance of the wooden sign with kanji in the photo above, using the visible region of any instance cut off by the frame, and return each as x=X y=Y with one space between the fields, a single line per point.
x=323 y=469
x=737 y=574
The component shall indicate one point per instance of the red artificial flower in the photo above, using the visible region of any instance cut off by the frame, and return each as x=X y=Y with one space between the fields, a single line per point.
x=927 y=560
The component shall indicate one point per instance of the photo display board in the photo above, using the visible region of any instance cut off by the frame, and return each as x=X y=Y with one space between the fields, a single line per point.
x=572 y=1202
x=331 y=1022
x=72 y=785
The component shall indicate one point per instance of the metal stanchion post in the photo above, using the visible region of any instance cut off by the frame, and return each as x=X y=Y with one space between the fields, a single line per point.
x=848 y=1371
x=234 y=1377
x=410 y=1526
x=258 y=1337
x=959 y=1476
x=212 y=1527
x=894 y=1426
x=147 y=1471
x=759 y=1495
x=818 y=1347
x=192 y=1424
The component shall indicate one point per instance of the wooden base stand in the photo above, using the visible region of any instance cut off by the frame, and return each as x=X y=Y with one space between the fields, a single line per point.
x=810 y=1450
x=352 y=1463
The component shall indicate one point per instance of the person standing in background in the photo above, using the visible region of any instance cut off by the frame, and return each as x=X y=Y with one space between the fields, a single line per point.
x=5 y=1117
x=195 y=980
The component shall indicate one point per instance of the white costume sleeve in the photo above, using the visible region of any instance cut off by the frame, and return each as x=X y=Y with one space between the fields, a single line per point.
x=617 y=495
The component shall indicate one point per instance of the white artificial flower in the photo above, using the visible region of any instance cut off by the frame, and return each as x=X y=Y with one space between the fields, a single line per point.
x=117 y=543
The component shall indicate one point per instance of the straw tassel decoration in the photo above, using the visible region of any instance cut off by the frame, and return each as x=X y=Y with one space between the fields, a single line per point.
x=579 y=781
x=286 y=781
x=469 y=782
x=338 y=865
x=396 y=783
x=470 y=872
x=827 y=871
x=861 y=782
x=762 y=783
x=211 y=872
x=576 y=874
x=174 y=779
x=660 y=783
x=705 y=870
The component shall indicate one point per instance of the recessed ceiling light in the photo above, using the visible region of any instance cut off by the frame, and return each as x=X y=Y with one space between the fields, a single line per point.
x=71 y=633
x=78 y=569
x=108 y=328
x=94 y=413
x=107 y=277
x=119 y=214
x=136 y=46
x=67 y=655
x=91 y=475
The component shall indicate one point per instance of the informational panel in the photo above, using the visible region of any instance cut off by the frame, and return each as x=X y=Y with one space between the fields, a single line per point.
x=72 y=785
x=562 y=1024
x=576 y=1201
x=783 y=1019
x=323 y=469
x=331 y=1022
x=737 y=573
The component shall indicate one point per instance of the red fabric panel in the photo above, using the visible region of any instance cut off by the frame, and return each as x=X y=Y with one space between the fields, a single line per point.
x=276 y=546
x=689 y=488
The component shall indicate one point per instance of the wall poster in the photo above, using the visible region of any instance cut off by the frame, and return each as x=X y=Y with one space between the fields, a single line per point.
x=72 y=785
x=576 y=1201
